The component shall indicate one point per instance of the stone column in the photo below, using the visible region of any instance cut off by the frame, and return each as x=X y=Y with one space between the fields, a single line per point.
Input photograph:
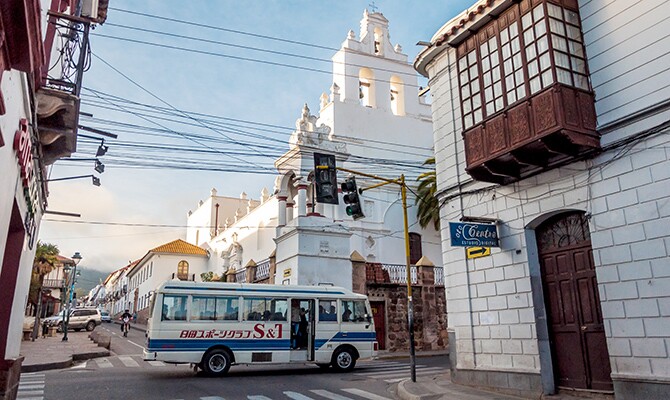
x=289 y=211
x=230 y=276
x=273 y=266
x=302 y=199
x=358 y=281
x=433 y=318
x=251 y=271
x=281 y=212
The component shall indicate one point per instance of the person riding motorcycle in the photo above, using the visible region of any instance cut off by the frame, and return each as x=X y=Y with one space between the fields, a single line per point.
x=125 y=318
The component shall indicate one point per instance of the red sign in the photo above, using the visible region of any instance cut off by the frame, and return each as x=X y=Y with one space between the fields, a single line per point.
x=23 y=145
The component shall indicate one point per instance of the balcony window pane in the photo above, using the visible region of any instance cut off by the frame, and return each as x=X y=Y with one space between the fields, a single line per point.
x=516 y=47
x=488 y=94
x=519 y=77
x=542 y=45
x=556 y=26
x=474 y=87
x=535 y=85
x=499 y=104
x=513 y=30
x=545 y=61
x=497 y=88
x=530 y=52
x=564 y=76
x=472 y=58
x=578 y=65
x=484 y=49
x=478 y=116
x=486 y=64
x=533 y=69
x=504 y=37
x=496 y=74
x=576 y=48
x=508 y=66
x=521 y=92
x=561 y=59
x=581 y=81
x=476 y=102
x=509 y=82
x=572 y=17
x=527 y=21
x=490 y=108
x=517 y=61
x=555 y=11
x=464 y=77
x=528 y=36
x=487 y=79
x=573 y=33
x=473 y=72
x=467 y=121
x=559 y=43
x=511 y=97
x=494 y=59
x=467 y=107
x=465 y=91
x=493 y=44
x=547 y=78
x=540 y=29
x=505 y=51
x=462 y=63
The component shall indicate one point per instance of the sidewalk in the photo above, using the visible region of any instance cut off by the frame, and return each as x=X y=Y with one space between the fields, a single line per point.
x=53 y=353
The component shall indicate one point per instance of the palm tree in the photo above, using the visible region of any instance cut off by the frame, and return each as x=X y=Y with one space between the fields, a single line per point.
x=429 y=208
x=45 y=261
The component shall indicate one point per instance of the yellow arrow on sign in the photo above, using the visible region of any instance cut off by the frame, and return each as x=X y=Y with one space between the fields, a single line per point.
x=476 y=252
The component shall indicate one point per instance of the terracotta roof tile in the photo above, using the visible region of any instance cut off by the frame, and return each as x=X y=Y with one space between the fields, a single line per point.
x=180 y=247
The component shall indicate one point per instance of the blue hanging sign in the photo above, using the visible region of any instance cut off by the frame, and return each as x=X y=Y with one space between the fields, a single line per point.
x=468 y=234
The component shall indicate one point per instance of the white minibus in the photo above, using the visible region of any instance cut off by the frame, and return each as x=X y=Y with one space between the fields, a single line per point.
x=214 y=325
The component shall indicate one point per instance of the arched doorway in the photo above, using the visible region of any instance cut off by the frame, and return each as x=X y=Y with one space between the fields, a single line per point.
x=577 y=335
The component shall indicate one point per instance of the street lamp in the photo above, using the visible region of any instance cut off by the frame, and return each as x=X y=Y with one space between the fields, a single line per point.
x=66 y=318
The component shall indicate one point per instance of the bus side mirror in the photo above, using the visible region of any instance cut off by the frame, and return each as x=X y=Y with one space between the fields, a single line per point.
x=368 y=318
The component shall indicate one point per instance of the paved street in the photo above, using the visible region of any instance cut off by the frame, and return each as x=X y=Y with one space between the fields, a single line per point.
x=124 y=375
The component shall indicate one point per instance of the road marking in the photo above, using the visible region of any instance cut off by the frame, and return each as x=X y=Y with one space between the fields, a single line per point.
x=157 y=363
x=31 y=386
x=212 y=398
x=103 y=363
x=128 y=361
x=363 y=393
x=330 y=395
x=29 y=398
x=32 y=393
x=80 y=366
x=258 y=398
x=297 y=396
x=135 y=344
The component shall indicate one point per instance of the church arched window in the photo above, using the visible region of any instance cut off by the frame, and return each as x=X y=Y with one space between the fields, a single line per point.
x=379 y=45
x=397 y=96
x=366 y=87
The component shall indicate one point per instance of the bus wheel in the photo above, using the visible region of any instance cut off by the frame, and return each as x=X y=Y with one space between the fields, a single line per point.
x=216 y=362
x=344 y=360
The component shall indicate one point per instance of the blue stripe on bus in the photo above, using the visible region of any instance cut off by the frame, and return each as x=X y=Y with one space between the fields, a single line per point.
x=255 y=290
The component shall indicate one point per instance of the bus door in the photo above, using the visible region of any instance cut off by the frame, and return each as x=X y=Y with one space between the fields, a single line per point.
x=302 y=329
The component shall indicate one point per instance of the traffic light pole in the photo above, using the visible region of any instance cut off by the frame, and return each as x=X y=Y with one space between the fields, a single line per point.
x=410 y=305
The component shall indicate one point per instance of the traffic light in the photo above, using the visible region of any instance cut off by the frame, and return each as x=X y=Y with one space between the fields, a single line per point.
x=351 y=198
x=325 y=178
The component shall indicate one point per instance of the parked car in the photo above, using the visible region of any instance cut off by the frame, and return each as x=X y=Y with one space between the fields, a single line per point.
x=105 y=316
x=80 y=318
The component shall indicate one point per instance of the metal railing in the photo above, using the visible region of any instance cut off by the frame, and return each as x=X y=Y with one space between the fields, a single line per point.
x=262 y=270
x=439 y=276
x=241 y=276
x=53 y=283
x=398 y=273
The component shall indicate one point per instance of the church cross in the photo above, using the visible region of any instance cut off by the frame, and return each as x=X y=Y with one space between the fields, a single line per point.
x=373 y=6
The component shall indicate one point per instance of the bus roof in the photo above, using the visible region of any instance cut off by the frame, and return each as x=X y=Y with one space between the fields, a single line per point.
x=255 y=289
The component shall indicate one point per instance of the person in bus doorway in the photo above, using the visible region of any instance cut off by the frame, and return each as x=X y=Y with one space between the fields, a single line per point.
x=295 y=324
x=346 y=315
x=302 y=329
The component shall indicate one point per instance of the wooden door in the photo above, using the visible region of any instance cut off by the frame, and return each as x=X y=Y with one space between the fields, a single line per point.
x=577 y=335
x=379 y=316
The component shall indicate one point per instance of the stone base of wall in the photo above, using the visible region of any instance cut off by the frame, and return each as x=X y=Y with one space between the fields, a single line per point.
x=524 y=385
x=628 y=389
x=10 y=373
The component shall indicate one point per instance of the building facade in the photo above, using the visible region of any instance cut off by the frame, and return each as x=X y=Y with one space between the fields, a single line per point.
x=39 y=112
x=551 y=121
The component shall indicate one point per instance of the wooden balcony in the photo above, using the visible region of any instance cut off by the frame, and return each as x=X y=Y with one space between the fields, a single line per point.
x=551 y=127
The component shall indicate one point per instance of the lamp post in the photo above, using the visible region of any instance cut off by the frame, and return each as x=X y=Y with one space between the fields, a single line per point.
x=66 y=318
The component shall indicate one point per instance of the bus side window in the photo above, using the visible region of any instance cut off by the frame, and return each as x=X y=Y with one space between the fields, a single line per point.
x=353 y=311
x=328 y=310
x=174 y=308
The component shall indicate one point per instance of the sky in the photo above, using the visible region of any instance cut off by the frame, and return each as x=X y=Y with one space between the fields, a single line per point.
x=150 y=72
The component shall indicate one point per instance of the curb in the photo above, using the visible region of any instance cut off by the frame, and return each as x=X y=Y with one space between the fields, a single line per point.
x=404 y=394
x=395 y=356
x=47 y=366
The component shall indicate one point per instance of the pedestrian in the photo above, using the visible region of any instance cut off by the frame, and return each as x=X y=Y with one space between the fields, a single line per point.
x=134 y=317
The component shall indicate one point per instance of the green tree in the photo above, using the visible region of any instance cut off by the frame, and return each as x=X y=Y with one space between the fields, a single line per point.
x=45 y=261
x=429 y=208
x=210 y=277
